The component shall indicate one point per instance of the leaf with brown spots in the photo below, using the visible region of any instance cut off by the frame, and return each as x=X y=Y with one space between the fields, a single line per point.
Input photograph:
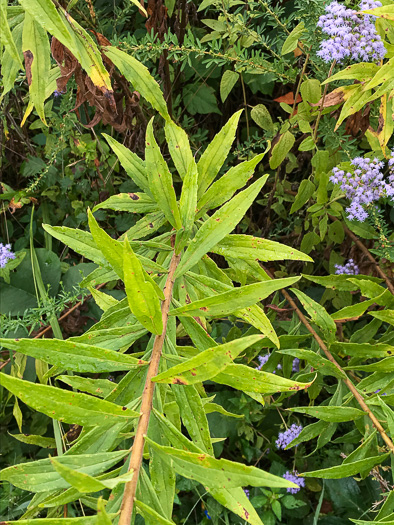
x=207 y=364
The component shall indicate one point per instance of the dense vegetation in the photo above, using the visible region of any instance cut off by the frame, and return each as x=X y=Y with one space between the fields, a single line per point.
x=196 y=262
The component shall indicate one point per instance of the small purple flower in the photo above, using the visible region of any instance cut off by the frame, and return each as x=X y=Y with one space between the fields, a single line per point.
x=378 y=390
x=351 y=35
x=296 y=365
x=57 y=93
x=289 y=435
x=293 y=477
x=364 y=185
x=207 y=515
x=247 y=492
x=5 y=254
x=350 y=268
x=263 y=359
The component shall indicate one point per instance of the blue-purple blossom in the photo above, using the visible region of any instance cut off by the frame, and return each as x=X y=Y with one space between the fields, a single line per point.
x=289 y=435
x=350 y=268
x=5 y=254
x=351 y=35
x=293 y=477
x=296 y=365
x=247 y=492
x=263 y=359
x=364 y=185
x=207 y=515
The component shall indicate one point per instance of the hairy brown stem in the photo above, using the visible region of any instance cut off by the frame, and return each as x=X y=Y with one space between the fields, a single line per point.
x=347 y=381
x=137 y=450
x=368 y=254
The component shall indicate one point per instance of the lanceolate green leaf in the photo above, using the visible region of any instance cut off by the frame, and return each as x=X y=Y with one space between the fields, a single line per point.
x=150 y=514
x=6 y=37
x=331 y=413
x=187 y=206
x=214 y=156
x=365 y=350
x=318 y=314
x=139 y=76
x=88 y=520
x=73 y=356
x=236 y=500
x=387 y=316
x=249 y=379
x=160 y=179
x=248 y=247
x=179 y=146
x=70 y=407
x=236 y=299
x=213 y=472
x=141 y=293
x=347 y=469
x=85 y=482
x=36 y=50
x=130 y=202
x=223 y=189
x=218 y=226
x=131 y=162
x=206 y=364
x=96 y=387
x=41 y=476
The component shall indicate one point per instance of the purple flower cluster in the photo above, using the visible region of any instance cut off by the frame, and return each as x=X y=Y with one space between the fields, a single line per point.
x=351 y=35
x=350 y=268
x=364 y=185
x=293 y=477
x=264 y=358
x=285 y=438
x=5 y=254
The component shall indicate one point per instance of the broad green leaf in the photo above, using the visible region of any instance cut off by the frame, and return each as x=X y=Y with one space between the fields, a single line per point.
x=383 y=74
x=9 y=66
x=97 y=387
x=371 y=289
x=142 y=296
x=139 y=76
x=218 y=226
x=131 y=162
x=39 y=441
x=150 y=514
x=317 y=313
x=227 y=82
x=246 y=247
x=216 y=153
x=249 y=379
x=130 y=202
x=319 y=363
x=347 y=469
x=342 y=282
x=385 y=365
x=291 y=42
x=103 y=300
x=281 y=149
x=65 y=406
x=73 y=356
x=255 y=316
x=354 y=103
x=364 y=350
x=311 y=93
x=361 y=72
x=36 y=50
x=387 y=316
x=41 y=476
x=84 y=482
x=236 y=299
x=179 y=147
x=358 y=309
x=262 y=117
x=305 y=192
x=46 y=14
x=160 y=179
x=113 y=338
x=102 y=517
x=193 y=415
x=334 y=414
x=213 y=472
x=236 y=500
x=187 y=206
x=6 y=37
x=88 y=520
x=223 y=189
x=147 y=225
x=207 y=364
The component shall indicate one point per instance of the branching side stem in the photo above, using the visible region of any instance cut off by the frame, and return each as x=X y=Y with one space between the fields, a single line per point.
x=347 y=381
x=137 y=449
